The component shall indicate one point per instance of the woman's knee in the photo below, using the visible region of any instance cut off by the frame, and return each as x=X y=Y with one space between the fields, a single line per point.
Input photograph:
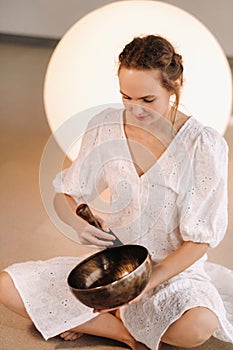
x=194 y=328
x=9 y=295
x=6 y=285
x=204 y=323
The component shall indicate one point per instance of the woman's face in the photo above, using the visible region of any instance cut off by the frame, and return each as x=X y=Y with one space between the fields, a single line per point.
x=143 y=94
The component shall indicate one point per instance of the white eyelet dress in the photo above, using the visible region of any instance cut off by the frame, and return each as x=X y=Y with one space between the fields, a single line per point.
x=182 y=197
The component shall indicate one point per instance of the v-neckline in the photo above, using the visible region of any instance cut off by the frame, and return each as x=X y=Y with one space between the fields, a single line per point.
x=159 y=160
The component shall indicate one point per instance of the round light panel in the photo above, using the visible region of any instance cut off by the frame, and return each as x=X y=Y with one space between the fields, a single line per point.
x=82 y=72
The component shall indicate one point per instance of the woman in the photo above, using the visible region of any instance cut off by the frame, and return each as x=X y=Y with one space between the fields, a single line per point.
x=167 y=177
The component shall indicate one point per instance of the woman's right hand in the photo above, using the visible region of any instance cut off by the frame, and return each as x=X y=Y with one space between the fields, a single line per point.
x=96 y=236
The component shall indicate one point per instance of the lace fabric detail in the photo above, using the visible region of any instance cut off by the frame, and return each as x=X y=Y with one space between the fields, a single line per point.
x=185 y=188
x=182 y=197
x=46 y=294
x=148 y=320
x=53 y=308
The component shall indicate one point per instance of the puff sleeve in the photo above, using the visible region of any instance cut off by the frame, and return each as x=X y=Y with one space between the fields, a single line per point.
x=203 y=206
x=85 y=179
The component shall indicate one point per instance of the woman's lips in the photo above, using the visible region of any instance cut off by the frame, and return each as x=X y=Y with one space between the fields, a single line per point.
x=141 y=117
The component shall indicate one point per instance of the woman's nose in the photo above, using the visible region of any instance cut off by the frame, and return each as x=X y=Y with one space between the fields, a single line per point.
x=137 y=109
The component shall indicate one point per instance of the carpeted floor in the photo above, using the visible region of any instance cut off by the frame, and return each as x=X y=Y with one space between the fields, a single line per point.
x=26 y=230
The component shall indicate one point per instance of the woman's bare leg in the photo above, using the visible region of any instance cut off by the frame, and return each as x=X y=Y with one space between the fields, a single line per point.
x=9 y=295
x=194 y=328
x=104 y=325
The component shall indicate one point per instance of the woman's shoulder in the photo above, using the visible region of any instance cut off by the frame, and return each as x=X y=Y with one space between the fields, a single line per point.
x=210 y=136
x=194 y=129
x=205 y=137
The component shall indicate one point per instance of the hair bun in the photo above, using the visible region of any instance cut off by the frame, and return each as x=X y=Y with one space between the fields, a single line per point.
x=177 y=58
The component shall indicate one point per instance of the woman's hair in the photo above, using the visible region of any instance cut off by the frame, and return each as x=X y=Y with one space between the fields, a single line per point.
x=155 y=52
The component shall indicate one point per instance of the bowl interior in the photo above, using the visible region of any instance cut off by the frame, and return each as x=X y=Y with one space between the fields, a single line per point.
x=107 y=266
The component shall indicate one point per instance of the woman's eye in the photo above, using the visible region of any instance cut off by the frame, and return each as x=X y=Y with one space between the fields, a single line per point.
x=126 y=98
x=149 y=101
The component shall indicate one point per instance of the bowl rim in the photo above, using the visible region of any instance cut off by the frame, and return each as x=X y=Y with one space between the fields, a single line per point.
x=112 y=283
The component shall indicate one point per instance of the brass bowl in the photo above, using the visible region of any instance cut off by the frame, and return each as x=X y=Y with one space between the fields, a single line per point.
x=111 y=277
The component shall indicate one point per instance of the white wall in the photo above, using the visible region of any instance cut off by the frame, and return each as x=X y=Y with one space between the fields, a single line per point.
x=43 y=18
x=52 y=18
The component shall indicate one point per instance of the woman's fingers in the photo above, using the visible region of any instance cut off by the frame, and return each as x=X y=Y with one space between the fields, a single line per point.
x=87 y=238
x=101 y=234
x=102 y=223
x=94 y=236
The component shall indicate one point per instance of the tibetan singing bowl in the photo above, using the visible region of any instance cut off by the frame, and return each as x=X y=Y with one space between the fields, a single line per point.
x=111 y=277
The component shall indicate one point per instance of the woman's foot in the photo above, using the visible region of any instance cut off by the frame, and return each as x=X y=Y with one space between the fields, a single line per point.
x=74 y=335
x=71 y=335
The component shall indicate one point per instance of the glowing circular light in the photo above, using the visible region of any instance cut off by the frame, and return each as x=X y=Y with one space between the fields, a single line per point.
x=82 y=72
